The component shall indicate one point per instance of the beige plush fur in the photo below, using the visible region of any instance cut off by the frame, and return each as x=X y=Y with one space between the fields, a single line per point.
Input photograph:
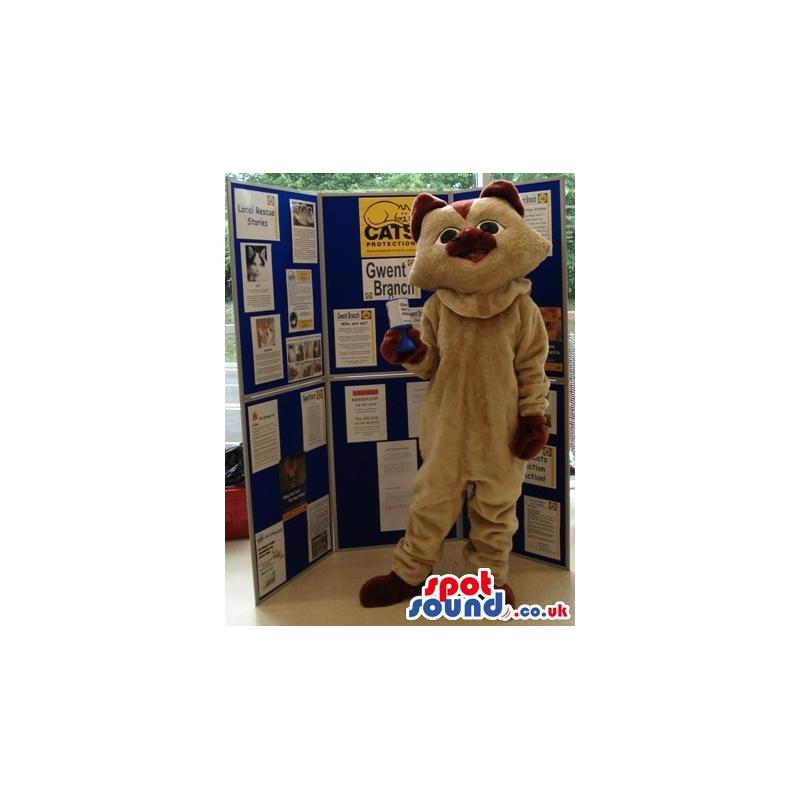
x=487 y=347
x=520 y=249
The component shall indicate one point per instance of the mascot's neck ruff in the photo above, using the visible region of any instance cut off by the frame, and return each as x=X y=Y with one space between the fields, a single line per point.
x=483 y=347
x=484 y=305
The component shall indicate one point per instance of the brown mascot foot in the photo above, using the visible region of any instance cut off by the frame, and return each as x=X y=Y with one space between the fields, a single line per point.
x=510 y=599
x=386 y=590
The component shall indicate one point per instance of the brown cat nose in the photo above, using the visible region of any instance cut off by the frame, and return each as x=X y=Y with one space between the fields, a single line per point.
x=471 y=243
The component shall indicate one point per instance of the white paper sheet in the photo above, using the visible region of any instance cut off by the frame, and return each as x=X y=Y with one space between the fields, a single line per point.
x=397 y=466
x=539 y=212
x=415 y=395
x=385 y=278
x=541 y=470
x=304 y=357
x=319 y=528
x=300 y=297
x=542 y=527
x=400 y=313
x=413 y=315
x=256 y=215
x=265 y=438
x=258 y=291
x=266 y=337
x=397 y=311
x=312 y=404
x=354 y=336
x=365 y=408
x=271 y=558
x=304 y=231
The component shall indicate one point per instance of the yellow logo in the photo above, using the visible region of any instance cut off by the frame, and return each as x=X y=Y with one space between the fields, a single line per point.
x=386 y=226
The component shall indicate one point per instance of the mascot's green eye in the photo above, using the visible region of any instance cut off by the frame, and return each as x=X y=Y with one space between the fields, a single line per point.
x=448 y=234
x=490 y=226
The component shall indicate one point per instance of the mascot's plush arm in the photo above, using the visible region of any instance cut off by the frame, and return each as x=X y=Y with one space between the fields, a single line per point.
x=424 y=360
x=532 y=431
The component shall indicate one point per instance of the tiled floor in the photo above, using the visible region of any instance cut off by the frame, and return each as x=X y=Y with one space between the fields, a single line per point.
x=327 y=594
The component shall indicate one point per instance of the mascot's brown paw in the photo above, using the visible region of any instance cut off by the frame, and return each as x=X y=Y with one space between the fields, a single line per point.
x=386 y=590
x=531 y=436
x=510 y=599
x=391 y=343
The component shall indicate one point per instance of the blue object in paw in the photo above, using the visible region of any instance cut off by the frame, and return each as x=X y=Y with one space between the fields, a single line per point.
x=406 y=345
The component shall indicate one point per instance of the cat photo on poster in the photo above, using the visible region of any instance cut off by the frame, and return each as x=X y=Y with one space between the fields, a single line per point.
x=293 y=485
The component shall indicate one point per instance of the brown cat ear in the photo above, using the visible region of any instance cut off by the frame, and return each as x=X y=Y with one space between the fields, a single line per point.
x=423 y=203
x=508 y=192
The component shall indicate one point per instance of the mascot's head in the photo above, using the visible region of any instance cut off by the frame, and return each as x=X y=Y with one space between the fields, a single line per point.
x=474 y=245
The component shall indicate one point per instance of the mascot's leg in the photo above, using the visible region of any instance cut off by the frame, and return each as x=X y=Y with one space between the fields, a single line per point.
x=437 y=500
x=493 y=523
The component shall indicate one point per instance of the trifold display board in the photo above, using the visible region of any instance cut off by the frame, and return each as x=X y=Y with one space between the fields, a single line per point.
x=330 y=429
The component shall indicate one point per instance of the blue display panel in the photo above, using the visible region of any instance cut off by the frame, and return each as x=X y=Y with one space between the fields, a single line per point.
x=278 y=493
x=551 y=487
x=346 y=225
x=356 y=465
x=548 y=278
x=282 y=259
x=345 y=233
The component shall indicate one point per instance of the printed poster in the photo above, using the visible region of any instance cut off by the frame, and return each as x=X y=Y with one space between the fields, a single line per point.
x=256 y=260
x=271 y=558
x=300 y=296
x=415 y=395
x=397 y=466
x=265 y=437
x=552 y=323
x=312 y=404
x=293 y=485
x=387 y=278
x=538 y=212
x=267 y=359
x=256 y=215
x=385 y=224
x=304 y=232
x=304 y=356
x=354 y=337
x=542 y=527
x=541 y=470
x=318 y=516
x=401 y=313
x=413 y=315
x=365 y=409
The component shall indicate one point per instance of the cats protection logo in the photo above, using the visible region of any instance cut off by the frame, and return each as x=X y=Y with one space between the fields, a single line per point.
x=385 y=224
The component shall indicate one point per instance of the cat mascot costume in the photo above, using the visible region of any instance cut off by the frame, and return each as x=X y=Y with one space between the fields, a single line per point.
x=482 y=346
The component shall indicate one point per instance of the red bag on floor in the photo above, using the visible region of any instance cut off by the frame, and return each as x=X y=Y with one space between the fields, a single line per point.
x=235 y=513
